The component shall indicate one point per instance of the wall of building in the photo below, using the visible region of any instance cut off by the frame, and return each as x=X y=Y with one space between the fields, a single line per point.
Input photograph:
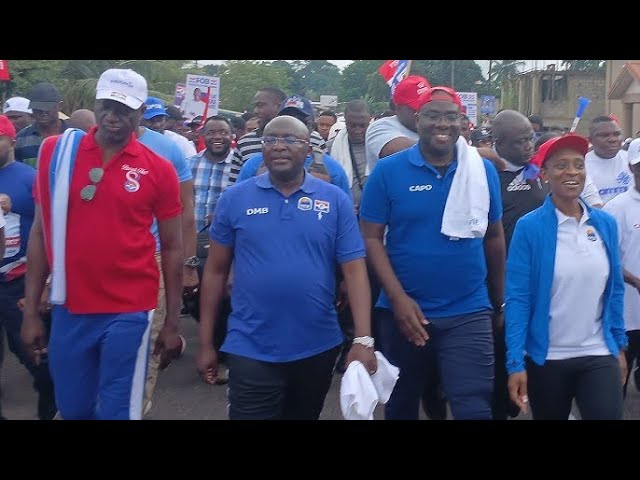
x=629 y=115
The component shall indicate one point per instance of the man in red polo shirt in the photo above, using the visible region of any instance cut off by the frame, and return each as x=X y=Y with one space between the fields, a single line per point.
x=103 y=303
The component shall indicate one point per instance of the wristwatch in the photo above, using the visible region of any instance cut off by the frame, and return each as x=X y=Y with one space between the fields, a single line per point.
x=192 y=262
x=366 y=341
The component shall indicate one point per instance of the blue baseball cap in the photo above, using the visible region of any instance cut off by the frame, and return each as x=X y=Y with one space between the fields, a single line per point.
x=155 y=107
x=296 y=102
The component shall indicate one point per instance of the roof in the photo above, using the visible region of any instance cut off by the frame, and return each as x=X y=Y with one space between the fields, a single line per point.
x=630 y=73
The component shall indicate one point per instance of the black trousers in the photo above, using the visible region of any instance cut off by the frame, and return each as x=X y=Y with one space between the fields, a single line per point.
x=279 y=391
x=593 y=381
x=633 y=353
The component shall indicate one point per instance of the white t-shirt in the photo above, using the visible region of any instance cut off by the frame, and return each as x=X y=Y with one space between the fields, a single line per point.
x=611 y=175
x=625 y=208
x=381 y=132
x=192 y=108
x=187 y=147
x=580 y=275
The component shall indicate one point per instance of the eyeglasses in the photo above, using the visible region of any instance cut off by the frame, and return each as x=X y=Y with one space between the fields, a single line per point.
x=88 y=192
x=286 y=140
x=434 y=117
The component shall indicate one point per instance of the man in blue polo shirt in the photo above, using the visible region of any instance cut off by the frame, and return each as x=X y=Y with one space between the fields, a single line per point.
x=286 y=232
x=435 y=301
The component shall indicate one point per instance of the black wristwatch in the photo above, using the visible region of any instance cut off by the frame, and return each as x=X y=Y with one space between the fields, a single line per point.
x=192 y=262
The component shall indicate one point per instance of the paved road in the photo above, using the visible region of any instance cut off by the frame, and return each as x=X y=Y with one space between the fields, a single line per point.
x=181 y=395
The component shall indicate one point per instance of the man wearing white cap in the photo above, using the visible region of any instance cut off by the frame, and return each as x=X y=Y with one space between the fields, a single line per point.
x=626 y=210
x=17 y=110
x=104 y=285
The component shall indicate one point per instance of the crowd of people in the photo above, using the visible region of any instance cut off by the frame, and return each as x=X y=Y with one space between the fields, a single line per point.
x=497 y=266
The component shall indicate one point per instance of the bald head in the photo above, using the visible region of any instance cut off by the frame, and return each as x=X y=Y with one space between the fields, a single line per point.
x=83 y=119
x=513 y=135
x=290 y=125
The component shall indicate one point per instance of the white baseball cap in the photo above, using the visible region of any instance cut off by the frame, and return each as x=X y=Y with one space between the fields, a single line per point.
x=122 y=85
x=633 y=154
x=17 y=104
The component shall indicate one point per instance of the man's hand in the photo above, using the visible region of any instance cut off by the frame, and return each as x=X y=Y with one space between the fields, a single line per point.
x=34 y=337
x=493 y=157
x=624 y=368
x=207 y=364
x=518 y=390
x=410 y=319
x=363 y=354
x=168 y=346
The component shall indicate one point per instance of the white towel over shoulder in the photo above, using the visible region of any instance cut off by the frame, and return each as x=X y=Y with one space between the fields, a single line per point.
x=466 y=213
x=341 y=152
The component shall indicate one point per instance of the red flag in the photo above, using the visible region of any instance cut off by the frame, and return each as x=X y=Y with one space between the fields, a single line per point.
x=4 y=71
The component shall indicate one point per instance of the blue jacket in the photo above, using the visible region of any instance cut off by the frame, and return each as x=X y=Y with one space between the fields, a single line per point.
x=530 y=265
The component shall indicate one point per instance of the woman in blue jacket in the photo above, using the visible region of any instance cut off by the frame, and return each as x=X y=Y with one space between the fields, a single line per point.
x=565 y=331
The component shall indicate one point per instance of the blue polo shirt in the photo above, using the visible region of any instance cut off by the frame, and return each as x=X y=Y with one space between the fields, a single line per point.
x=286 y=252
x=169 y=150
x=445 y=277
x=334 y=169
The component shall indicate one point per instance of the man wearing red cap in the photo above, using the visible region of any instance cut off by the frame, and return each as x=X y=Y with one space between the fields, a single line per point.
x=441 y=283
x=391 y=134
x=16 y=184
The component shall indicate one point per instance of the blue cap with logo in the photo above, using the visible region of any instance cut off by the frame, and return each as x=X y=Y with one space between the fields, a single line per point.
x=296 y=102
x=155 y=107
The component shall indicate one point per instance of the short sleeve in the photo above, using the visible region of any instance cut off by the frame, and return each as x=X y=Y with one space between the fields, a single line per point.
x=180 y=163
x=221 y=229
x=495 y=196
x=167 y=204
x=375 y=202
x=349 y=242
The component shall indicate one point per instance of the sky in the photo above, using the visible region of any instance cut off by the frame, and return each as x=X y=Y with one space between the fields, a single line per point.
x=484 y=64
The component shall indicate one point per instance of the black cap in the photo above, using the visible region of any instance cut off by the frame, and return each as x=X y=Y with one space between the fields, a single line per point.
x=478 y=134
x=43 y=96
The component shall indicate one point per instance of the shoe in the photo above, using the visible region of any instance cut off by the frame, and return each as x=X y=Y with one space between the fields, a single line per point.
x=184 y=346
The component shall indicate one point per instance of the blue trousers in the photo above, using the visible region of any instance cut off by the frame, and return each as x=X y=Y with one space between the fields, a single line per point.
x=462 y=348
x=98 y=363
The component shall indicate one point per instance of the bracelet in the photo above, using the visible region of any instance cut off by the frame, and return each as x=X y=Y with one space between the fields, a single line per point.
x=367 y=341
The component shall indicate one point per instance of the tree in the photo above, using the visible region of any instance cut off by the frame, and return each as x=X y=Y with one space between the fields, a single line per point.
x=503 y=70
x=361 y=79
x=584 y=65
x=318 y=77
x=241 y=80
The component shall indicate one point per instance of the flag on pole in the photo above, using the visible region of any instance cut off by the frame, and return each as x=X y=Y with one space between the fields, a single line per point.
x=394 y=71
x=582 y=106
x=4 y=71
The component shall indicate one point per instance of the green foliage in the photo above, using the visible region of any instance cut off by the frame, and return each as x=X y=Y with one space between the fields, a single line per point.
x=242 y=79
x=584 y=65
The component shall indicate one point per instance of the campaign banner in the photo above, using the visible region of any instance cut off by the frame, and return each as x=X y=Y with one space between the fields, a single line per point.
x=487 y=104
x=199 y=89
x=470 y=105
x=180 y=95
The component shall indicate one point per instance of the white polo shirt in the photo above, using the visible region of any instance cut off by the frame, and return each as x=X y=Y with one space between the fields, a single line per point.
x=611 y=175
x=580 y=277
x=626 y=210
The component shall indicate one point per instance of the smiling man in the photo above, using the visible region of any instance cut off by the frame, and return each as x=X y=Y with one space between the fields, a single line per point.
x=439 y=291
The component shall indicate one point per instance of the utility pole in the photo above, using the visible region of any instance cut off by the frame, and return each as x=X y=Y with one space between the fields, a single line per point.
x=490 y=66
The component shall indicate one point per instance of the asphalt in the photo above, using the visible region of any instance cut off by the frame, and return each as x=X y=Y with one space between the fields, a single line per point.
x=181 y=395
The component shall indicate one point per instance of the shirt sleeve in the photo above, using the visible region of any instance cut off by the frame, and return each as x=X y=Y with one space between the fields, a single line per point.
x=168 y=204
x=349 y=242
x=249 y=168
x=180 y=163
x=221 y=229
x=495 y=195
x=590 y=193
x=375 y=203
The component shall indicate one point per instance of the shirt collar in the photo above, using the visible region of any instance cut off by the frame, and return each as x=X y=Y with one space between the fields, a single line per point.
x=509 y=167
x=416 y=158
x=308 y=184
x=228 y=158
x=133 y=147
x=563 y=218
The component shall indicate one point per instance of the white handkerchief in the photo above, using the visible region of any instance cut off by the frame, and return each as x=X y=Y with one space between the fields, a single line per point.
x=385 y=378
x=358 y=396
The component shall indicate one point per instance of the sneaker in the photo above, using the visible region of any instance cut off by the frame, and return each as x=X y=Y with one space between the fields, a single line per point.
x=184 y=346
x=223 y=376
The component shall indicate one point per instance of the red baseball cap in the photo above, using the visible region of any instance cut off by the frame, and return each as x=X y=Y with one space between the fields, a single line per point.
x=440 y=93
x=409 y=91
x=6 y=128
x=548 y=148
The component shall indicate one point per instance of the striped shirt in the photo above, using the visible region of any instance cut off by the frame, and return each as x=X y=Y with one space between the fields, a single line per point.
x=249 y=145
x=28 y=142
x=209 y=181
